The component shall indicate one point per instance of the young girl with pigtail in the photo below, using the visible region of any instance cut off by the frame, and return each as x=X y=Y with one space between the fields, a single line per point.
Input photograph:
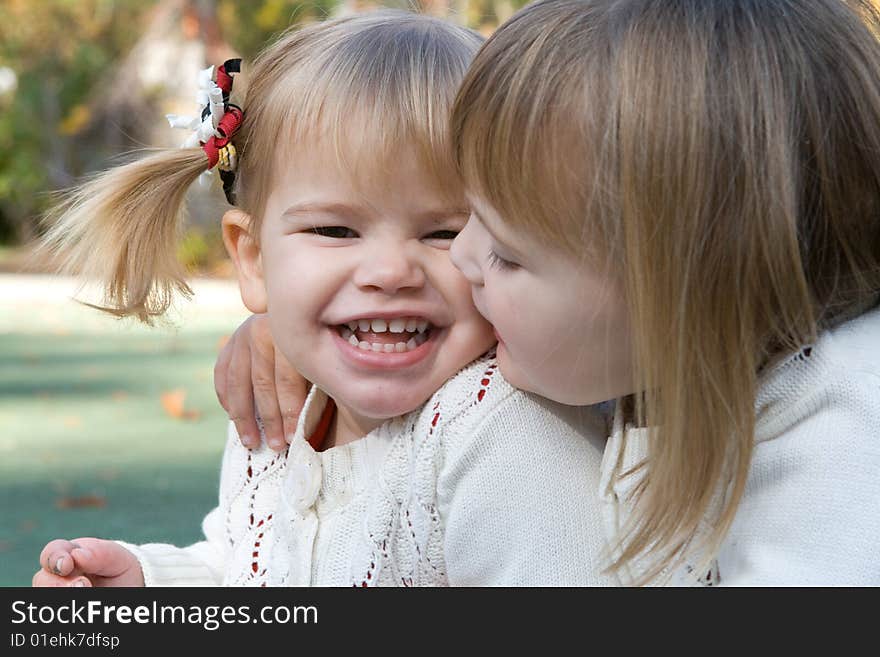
x=413 y=462
x=676 y=205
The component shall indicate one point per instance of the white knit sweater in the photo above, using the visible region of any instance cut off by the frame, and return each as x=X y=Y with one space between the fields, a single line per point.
x=503 y=491
x=483 y=485
x=810 y=514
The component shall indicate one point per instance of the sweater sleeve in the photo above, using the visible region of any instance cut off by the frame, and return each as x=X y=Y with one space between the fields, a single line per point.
x=810 y=514
x=200 y=564
x=517 y=495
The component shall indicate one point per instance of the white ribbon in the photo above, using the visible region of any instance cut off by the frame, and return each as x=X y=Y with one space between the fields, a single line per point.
x=210 y=95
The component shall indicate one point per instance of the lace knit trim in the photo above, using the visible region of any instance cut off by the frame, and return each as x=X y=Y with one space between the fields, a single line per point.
x=402 y=523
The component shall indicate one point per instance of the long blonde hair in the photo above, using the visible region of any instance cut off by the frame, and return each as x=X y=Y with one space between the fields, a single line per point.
x=362 y=85
x=724 y=157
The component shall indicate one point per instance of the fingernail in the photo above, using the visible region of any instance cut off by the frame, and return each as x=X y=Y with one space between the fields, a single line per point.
x=58 y=564
x=79 y=582
x=247 y=441
x=289 y=438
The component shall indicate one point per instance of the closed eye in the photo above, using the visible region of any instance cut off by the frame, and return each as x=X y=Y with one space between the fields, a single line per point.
x=337 y=232
x=498 y=262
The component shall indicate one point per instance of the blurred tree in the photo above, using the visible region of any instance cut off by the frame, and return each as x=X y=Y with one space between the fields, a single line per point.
x=248 y=26
x=77 y=88
x=68 y=59
x=486 y=15
x=57 y=49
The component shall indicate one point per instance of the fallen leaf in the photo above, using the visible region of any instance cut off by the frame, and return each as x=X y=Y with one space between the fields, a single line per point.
x=27 y=525
x=173 y=401
x=81 y=502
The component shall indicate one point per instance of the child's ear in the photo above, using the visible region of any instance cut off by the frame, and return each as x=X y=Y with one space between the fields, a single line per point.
x=245 y=254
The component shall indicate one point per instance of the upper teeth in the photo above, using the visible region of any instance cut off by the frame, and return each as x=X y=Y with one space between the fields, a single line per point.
x=397 y=325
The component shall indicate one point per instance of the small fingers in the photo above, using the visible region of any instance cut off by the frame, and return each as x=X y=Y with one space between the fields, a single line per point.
x=292 y=391
x=43 y=579
x=266 y=399
x=90 y=556
x=240 y=395
x=101 y=557
x=221 y=371
x=55 y=557
x=263 y=373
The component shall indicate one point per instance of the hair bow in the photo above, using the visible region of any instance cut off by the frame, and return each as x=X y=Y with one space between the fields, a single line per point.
x=214 y=128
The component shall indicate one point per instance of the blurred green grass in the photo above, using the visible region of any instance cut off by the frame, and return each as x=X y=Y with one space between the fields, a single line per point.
x=86 y=446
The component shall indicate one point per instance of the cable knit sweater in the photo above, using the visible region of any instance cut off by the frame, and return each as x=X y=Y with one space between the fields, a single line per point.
x=810 y=513
x=483 y=485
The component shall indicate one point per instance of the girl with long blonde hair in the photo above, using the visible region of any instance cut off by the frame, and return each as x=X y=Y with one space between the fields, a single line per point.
x=712 y=170
x=676 y=205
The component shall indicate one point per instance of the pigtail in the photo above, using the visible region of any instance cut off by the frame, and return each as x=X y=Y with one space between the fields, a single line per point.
x=122 y=228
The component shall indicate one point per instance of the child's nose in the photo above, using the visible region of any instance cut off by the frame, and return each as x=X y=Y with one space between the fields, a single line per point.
x=461 y=253
x=389 y=268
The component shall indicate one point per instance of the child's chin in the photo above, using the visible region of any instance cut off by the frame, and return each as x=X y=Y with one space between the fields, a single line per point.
x=515 y=376
x=392 y=404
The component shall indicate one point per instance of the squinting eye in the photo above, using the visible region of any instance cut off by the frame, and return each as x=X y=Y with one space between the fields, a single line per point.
x=338 y=232
x=498 y=262
x=443 y=235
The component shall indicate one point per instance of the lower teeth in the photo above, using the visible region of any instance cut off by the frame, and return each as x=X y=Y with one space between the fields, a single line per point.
x=385 y=347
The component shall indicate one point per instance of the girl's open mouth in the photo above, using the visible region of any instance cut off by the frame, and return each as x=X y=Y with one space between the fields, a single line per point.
x=398 y=335
x=386 y=343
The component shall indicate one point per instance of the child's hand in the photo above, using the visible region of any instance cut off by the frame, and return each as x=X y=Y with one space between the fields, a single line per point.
x=87 y=562
x=250 y=369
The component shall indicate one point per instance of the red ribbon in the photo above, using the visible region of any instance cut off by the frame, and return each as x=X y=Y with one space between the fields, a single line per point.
x=224 y=80
x=228 y=126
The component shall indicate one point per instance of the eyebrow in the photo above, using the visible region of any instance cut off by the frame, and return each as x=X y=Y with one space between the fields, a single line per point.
x=345 y=209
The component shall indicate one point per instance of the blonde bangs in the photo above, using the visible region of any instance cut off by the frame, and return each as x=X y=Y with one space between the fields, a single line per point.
x=534 y=151
x=362 y=89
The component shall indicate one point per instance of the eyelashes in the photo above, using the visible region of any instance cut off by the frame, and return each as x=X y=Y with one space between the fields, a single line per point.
x=342 y=232
x=498 y=262
x=338 y=232
x=443 y=235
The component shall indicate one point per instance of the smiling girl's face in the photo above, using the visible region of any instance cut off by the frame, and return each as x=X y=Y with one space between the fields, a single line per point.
x=363 y=298
x=562 y=327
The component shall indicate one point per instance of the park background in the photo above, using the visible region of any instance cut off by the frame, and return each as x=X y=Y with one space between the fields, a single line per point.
x=110 y=428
